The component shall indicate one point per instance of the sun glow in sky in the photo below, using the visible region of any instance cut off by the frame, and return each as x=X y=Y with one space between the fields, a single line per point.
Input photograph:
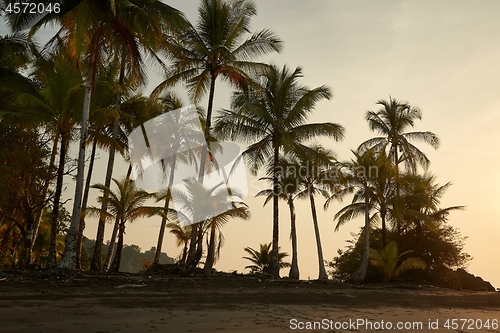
x=441 y=56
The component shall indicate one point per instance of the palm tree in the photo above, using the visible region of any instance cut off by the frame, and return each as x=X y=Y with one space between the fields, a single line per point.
x=261 y=259
x=289 y=188
x=313 y=182
x=176 y=140
x=421 y=197
x=238 y=209
x=391 y=122
x=365 y=176
x=182 y=236
x=217 y=47
x=16 y=52
x=126 y=205
x=135 y=112
x=212 y=207
x=374 y=170
x=388 y=261
x=89 y=28
x=272 y=119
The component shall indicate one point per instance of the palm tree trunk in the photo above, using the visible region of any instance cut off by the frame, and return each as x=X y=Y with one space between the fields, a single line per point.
x=199 y=246
x=384 y=229
x=68 y=258
x=52 y=260
x=209 y=261
x=321 y=262
x=398 y=192
x=81 y=227
x=163 y=225
x=194 y=244
x=361 y=272
x=294 y=268
x=33 y=233
x=418 y=233
x=96 y=264
x=184 y=254
x=112 y=246
x=115 y=267
x=274 y=266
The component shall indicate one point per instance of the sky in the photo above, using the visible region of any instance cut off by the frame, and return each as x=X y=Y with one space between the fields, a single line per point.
x=441 y=56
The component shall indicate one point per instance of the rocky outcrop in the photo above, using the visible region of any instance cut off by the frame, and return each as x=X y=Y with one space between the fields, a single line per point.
x=459 y=279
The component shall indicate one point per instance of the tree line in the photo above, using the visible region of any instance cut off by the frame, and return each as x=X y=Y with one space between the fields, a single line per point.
x=86 y=85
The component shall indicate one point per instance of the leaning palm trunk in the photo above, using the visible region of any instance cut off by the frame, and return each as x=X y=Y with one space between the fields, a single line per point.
x=361 y=272
x=81 y=227
x=115 y=266
x=164 y=219
x=294 y=268
x=321 y=262
x=111 y=247
x=32 y=233
x=209 y=262
x=52 y=262
x=96 y=264
x=68 y=259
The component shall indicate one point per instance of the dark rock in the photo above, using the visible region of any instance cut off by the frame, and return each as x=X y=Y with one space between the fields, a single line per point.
x=459 y=279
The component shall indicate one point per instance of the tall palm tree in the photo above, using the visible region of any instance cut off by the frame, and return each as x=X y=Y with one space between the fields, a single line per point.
x=218 y=46
x=314 y=182
x=374 y=170
x=289 y=188
x=272 y=119
x=179 y=135
x=365 y=177
x=135 y=111
x=127 y=204
x=391 y=122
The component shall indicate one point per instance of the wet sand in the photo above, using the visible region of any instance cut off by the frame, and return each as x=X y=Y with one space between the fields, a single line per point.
x=235 y=304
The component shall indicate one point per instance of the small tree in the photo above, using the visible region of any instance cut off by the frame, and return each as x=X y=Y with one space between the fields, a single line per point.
x=387 y=261
x=262 y=259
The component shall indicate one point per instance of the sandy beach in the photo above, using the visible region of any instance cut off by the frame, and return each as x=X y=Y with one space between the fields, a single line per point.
x=103 y=304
